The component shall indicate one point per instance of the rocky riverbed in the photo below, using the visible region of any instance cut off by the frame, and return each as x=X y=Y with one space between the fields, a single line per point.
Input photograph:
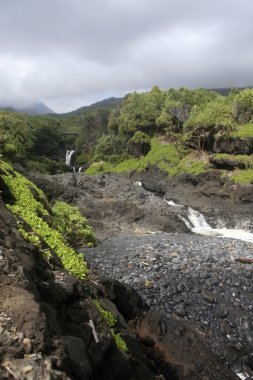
x=203 y=292
x=193 y=277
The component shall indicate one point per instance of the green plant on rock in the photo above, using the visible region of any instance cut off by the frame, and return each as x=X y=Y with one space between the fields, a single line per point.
x=69 y=221
x=111 y=322
x=30 y=210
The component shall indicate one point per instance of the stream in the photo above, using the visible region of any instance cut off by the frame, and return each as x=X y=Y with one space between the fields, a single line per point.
x=194 y=276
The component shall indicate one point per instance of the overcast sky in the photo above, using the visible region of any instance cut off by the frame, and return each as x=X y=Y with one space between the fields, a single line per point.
x=70 y=53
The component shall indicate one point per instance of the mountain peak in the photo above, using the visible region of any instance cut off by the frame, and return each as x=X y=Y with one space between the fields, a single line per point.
x=35 y=108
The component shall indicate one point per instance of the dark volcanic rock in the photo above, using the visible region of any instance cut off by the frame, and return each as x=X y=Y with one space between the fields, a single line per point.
x=232 y=145
x=45 y=320
x=227 y=163
x=179 y=343
x=207 y=192
x=191 y=277
x=113 y=202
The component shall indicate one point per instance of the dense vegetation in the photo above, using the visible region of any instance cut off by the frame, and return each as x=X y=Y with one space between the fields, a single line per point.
x=176 y=130
x=40 y=228
x=168 y=128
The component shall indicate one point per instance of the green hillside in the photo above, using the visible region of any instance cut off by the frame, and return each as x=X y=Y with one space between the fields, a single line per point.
x=176 y=130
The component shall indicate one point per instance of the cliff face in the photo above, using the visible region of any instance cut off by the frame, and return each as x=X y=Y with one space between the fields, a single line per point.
x=45 y=317
x=52 y=324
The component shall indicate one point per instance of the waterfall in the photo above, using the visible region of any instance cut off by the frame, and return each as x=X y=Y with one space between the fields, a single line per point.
x=138 y=183
x=197 y=223
x=78 y=171
x=69 y=155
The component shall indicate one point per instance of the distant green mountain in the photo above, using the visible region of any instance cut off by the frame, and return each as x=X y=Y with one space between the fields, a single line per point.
x=36 y=108
x=226 y=90
x=7 y=109
x=105 y=104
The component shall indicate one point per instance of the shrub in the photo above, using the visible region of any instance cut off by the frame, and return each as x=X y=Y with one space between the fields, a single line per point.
x=139 y=144
x=243 y=106
x=31 y=211
x=204 y=123
x=69 y=222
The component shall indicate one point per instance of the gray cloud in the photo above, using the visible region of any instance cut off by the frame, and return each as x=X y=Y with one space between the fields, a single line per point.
x=73 y=52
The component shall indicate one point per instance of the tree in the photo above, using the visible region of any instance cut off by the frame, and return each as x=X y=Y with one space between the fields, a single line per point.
x=108 y=148
x=47 y=138
x=93 y=125
x=139 y=144
x=243 y=106
x=205 y=122
x=15 y=135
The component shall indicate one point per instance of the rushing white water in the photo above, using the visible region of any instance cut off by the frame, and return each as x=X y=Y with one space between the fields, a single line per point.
x=69 y=155
x=138 y=183
x=78 y=171
x=172 y=203
x=198 y=224
x=241 y=376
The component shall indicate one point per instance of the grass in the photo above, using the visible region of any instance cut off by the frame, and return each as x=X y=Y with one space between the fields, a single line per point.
x=242 y=176
x=99 y=167
x=240 y=158
x=243 y=131
x=163 y=155
x=190 y=165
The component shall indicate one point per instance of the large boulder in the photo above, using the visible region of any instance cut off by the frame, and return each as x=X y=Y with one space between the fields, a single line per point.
x=233 y=145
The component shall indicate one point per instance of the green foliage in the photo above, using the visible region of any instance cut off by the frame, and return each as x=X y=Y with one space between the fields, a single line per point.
x=243 y=106
x=215 y=117
x=246 y=160
x=109 y=148
x=242 y=176
x=243 y=131
x=72 y=225
x=83 y=158
x=190 y=165
x=99 y=167
x=140 y=111
x=30 y=237
x=93 y=125
x=47 y=138
x=125 y=166
x=168 y=157
x=15 y=136
x=30 y=210
x=162 y=154
x=139 y=144
x=45 y=165
x=111 y=322
x=140 y=138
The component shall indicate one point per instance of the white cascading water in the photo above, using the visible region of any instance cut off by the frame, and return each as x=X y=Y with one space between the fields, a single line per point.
x=69 y=155
x=138 y=183
x=172 y=203
x=197 y=223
